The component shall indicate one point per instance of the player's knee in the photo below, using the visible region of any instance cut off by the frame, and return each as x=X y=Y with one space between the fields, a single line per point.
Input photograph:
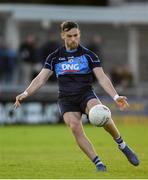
x=75 y=127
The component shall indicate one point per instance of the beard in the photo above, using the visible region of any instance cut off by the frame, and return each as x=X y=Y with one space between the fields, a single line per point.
x=73 y=45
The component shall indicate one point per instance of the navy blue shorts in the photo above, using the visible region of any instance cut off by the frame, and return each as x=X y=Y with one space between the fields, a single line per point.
x=75 y=103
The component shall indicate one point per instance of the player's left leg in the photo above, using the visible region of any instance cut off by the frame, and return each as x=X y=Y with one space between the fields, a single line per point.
x=111 y=128
x=73 y=120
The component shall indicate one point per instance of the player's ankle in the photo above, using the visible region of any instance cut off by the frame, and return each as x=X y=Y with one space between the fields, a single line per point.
x=120 y=142
x=96 y=160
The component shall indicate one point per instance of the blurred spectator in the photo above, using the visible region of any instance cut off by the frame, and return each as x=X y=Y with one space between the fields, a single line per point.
x=28 y=58
x=122 y=77
x=1 y=59
x=95 y=45
x=116 y=75
x=48 y=47
x=7 y=63
x=127 y=77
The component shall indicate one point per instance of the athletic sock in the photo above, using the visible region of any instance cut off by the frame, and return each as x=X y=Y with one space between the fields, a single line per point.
x=97 y=161
x=120 y=142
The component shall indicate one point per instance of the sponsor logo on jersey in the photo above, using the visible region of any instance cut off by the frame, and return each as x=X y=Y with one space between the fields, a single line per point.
x=70 y=67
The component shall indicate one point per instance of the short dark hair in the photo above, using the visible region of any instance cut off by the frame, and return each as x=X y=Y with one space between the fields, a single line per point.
x=68 y=25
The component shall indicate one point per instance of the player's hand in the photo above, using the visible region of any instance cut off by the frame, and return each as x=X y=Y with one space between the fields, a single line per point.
x=122 y=103
x=18 y=100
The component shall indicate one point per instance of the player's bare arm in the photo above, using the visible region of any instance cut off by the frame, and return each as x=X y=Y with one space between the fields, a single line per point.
x=36 y=83
x=105 y=82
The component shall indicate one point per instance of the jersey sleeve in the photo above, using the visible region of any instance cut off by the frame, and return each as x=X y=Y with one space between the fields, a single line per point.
x=49 y=63
x=93 y=60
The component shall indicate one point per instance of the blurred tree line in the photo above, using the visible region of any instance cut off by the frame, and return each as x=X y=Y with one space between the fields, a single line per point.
x=60 y=2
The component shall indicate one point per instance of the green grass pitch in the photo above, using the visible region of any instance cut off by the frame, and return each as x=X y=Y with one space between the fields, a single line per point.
x=50 y=151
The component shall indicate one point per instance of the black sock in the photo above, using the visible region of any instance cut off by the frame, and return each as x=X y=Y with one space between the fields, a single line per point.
x=97 y=161
x=120 y=142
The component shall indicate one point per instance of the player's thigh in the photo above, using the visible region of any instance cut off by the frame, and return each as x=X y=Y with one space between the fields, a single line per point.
x=91 y=103
x=72 y=118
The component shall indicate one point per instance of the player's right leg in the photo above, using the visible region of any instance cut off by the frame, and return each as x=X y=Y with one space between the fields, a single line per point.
x=127 y=151
x=73 y=120
x=111 y=128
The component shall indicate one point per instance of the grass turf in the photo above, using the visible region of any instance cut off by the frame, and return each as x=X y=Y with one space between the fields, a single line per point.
x=28 y=152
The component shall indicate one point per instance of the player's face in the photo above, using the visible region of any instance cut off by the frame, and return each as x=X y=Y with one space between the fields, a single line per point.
x=71 y=38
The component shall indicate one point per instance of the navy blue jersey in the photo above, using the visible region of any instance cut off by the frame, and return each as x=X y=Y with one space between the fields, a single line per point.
x=73 y=69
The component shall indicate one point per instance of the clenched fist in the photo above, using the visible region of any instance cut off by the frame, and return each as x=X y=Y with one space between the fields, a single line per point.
x=19 y=98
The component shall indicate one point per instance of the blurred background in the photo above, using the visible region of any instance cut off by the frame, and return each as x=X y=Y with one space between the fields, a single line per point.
x=116 y=30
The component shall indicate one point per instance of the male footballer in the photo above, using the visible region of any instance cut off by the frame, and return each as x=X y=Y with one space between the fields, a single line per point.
x=74 y=66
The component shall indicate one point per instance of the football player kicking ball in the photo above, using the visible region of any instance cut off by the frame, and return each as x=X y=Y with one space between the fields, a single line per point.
x=74 y=66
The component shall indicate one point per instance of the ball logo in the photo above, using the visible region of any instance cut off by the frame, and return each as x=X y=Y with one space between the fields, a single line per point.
x=67 y=67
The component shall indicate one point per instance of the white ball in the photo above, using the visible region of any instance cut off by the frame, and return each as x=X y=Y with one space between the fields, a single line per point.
x=99 y=115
